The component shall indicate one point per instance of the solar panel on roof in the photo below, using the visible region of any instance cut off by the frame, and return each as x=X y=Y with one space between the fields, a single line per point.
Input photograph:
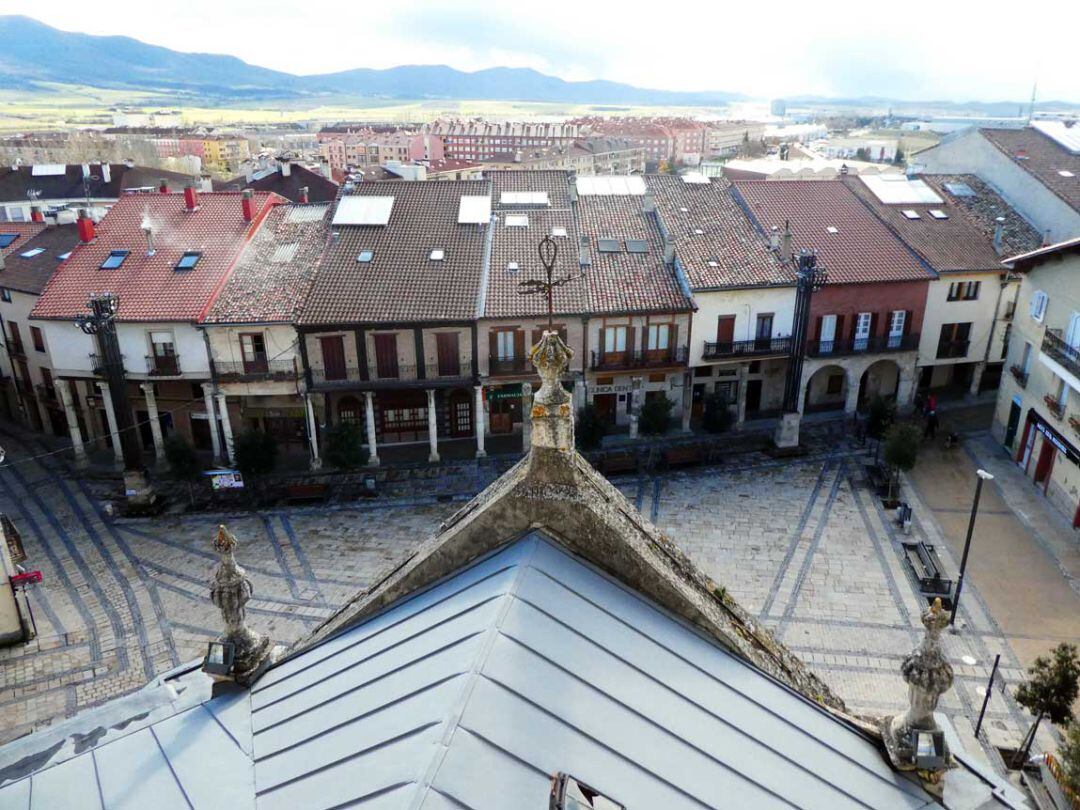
x=608 y=245
x=637 y=246
x=893 y=189
x=517 y=221
x=358 y=210
x=284 y=254
x=960 y=189
x=474 y=210
x=7 y=238
x=1067 y=137
x=523 y=198
x=695 y=178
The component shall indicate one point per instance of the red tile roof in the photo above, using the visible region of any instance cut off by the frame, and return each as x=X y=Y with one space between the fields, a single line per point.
x=948 y=245
x=402 y=282
x=1042 y=157
x=863 y=250
x=729 y=251
x=149 y=288
x=272 y=277
x=984 y=206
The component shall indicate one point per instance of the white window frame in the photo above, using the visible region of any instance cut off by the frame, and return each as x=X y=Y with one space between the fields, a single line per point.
x=504 y=345
x=897 y=322
x=170 y=342
x=614 y=339
x=862 y=329
x=659 y=336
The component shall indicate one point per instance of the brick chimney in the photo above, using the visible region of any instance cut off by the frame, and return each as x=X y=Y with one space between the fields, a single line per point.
x=999 y=232
x=785 y=243
x=86 y=227
x=584 y=256
x=191 y=198
x=774 y=238
x=304 y=195
x=247 y=204
x=286 y=168
x=35 y=214
x=669 y=250
x=163 y=186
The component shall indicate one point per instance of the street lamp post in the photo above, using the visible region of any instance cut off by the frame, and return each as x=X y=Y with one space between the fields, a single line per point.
x=983 y=476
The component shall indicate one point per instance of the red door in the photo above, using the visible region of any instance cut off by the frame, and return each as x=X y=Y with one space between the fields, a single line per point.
x=386 y=357
x=333 y=356
x=1045 y=465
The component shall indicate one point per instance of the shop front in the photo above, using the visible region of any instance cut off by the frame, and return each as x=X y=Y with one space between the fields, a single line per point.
x=613 y=397
x=1052 y=462
x=282 y=417
x=504 y=408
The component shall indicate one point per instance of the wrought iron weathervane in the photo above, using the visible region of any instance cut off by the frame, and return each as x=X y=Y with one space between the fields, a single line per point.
x=549 y=254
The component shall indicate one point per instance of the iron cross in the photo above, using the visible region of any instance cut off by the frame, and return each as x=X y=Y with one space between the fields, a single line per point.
x=549 y=252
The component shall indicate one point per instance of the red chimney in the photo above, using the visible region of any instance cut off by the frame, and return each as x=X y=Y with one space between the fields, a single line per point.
x=163 y=186
x=35 y=214
x=86 y=227
x=304 y=194
x=191 y=197
x=247 y=204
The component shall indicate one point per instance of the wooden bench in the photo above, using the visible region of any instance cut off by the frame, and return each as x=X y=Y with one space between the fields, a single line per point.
x=683 y=456
x=619 y=463
x=306 y=493
x=924 y=562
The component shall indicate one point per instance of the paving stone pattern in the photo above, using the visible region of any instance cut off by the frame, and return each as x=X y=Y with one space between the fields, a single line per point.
x=802 y=543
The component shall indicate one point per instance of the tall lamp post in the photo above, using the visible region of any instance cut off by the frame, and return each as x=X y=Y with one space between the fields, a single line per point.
x=101 y=323
x=809 y=279
x=983 y=476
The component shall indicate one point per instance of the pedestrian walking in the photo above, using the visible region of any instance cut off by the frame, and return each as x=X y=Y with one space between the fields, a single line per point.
x=931 y=425
x=931 y=403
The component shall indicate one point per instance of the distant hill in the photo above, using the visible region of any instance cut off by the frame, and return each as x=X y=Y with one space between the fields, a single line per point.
x=35 y=52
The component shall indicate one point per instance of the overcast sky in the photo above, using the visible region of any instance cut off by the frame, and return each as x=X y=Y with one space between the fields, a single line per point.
x=923 y=49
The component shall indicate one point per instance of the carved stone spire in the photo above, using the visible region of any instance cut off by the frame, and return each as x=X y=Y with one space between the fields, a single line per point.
x=928 y=676
x=230 y=590
x=552 y=413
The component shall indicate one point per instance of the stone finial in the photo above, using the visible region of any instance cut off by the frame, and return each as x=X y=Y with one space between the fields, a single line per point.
x=552 y=413
x=928 y=676
x=230 y=590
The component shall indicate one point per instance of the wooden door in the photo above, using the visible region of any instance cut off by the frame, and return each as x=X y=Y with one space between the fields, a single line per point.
x=1046 y=463
x=446 y=346
x=386 y=356
x=333 y=356
x=461 y=424
x=725 y=333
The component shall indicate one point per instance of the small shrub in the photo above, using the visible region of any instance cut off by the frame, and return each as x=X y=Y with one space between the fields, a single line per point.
x=590 y=428
x=343 y=446
x=655 y=417
x=881 y=414
x=183 y=462
x=718 y=415
x=256 y=453
x=901 y=450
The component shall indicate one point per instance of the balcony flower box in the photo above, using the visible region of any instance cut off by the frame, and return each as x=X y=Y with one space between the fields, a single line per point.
x=1055 y=407
x=1074 y=423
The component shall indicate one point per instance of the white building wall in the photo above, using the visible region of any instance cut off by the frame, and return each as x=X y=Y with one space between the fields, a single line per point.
x=70 y=349
x=979 y=313
x=745 y=305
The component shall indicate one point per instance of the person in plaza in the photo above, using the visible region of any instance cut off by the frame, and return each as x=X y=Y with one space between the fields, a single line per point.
x=930 y=431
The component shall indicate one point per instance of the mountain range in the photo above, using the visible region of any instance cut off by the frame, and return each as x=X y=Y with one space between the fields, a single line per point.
x=35 y=53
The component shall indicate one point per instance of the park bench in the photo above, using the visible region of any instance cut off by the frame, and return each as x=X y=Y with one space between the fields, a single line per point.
x=619 y=463
x=683 y=456
x=924 y=562
x=306 y=493
x=879 y=477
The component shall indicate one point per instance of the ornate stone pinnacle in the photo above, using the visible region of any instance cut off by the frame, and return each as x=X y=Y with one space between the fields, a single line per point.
x=552 y=416
x=928 y=676
x=230 y=590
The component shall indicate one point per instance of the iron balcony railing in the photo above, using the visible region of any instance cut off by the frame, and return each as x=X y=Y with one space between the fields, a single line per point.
x=507 y=365
x=407 y=373
x=870 y=345
x=259 y=369
x=952 y=349
x=98 y=365
x=604 y=361
x=746 y=348
x=1055 y=346
x=167 y=365
x=1019 y=375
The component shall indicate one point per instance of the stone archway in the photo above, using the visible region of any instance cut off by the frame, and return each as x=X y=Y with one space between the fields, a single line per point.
x=826 y=389
x=880 y=378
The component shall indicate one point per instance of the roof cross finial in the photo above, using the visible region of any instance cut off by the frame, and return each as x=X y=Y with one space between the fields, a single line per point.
x=549 y=255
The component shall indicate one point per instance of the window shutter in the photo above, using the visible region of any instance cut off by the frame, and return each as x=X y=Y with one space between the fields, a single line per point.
x=907 y=321
x=631 y=346
x=873 y=324
x=519 y=343
x=817 y=327
x=493 y=345
x=839 y=333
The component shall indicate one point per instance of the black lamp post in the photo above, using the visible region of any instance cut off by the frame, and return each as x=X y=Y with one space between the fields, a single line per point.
x=983 y=476
x=809 y=279
x=101 y=323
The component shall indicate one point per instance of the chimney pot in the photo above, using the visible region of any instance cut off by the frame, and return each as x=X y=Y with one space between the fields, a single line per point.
x=774 y=238
x=286 y=168
x=106 y=172
x=163 y=186
x=304 y=197
x=247 y=204
x=785 y=243
x=191 y=198
x=35 y=214
x=85 y=227
x=999 y=232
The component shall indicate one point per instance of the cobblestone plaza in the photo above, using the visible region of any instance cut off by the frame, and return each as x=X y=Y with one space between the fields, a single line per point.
x=801 y=543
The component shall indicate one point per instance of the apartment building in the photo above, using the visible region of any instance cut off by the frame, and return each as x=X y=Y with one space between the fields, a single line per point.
x=29 y=255
x=657 y=141
x=346 y=148
x=388 y=331
x=865 y=322
x=1038 y=407
x=724 y=138
x=585 y=156
x=489 y=140
x=1035 y=169
x=255 y=358
x=743 y=292
x=164 y=256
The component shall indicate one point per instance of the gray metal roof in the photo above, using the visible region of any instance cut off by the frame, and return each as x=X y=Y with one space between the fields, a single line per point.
x=472 y=694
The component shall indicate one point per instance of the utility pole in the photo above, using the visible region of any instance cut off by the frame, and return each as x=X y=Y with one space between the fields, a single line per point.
x=983 y=476
x=809 y=279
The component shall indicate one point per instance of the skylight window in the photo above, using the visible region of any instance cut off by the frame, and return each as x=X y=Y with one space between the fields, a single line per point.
x=568 y=793
x=684 y=209
x=512 y=267
x=558 y=231
x=7 y=238
x=937 y=213
x=29 y=254
x=1065 y=173
x=283 y=254
x=365 y=256
x=517 y=221
x=637 y=246
x=115 y=259
x=63 y=257
x=188 y=260
x=698 y=231
x=608 y=245
x=713 y=263
x=832 y=229
x=911 y=213
x=437 y=255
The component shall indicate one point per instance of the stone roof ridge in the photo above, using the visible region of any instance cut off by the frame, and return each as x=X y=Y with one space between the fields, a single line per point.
x=554 y=489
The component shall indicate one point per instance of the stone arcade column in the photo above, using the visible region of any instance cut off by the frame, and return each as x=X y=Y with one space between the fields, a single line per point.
x=478 y=421
x=226 y=426
x=432 y=428
x=155 y=425
x=211 y=416
x=526 y=421
x=579 y=396
x=905 y=389
x=369 y=424
x=62 y=388
x=740 y=397
x=110 y=416
x=687 y=400
x=313 y=438
x=851 y=398
x=976 y=379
